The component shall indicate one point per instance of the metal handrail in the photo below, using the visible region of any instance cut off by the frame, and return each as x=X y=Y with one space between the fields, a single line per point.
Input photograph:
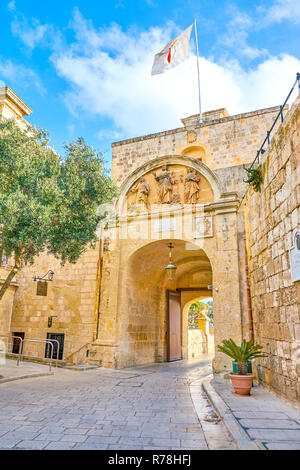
x=19 y=337
x=267 y=138
x=58 y=344
x=77 y=351
x=38 y=341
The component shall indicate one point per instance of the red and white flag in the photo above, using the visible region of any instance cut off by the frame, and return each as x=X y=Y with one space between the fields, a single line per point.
x=173 y=54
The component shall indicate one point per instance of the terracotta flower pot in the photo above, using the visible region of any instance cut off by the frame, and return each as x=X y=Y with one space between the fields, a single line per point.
x=241 y=383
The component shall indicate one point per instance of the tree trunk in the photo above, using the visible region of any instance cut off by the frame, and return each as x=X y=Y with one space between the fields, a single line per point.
x=8 y=281
x=242 y=367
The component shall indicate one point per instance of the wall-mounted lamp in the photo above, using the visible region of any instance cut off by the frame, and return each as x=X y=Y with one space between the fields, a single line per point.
x=171 y=268
x=50 y=275
x=50 y=320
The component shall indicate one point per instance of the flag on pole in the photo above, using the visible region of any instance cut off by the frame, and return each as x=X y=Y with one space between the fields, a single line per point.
x=175 y=52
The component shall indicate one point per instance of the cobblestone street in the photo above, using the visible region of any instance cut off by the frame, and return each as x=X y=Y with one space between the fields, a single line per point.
x=138 y=408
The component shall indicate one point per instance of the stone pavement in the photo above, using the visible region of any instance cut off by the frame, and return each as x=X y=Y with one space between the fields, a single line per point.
x=137 y=408
x=262 y=419
x=10 y=371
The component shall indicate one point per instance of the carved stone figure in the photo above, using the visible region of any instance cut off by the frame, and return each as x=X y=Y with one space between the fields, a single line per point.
x=191 y=187
x=165 y=185
x=141 y=190
x=106 y=244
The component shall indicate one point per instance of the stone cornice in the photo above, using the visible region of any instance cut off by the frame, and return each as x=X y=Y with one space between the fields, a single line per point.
x=200 y=126
x=11 y=99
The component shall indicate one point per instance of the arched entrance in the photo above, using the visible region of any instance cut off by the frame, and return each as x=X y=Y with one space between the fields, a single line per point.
x=200 y=327
x=154 y=328
x=178 y=199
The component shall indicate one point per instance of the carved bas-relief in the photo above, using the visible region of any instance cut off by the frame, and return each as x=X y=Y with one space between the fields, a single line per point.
x=141 y=191
x=168 y=185
x=192 y=188
x=165 y=185
x=203 y=227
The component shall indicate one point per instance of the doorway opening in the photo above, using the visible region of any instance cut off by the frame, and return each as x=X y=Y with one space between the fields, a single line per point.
x=16 y=342
x=154 y=316
x=60 y=337
x=200 y=328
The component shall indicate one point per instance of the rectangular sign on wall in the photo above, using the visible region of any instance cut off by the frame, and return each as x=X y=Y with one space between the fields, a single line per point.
x=295 y=256
x=41 y=288
x=167 y=224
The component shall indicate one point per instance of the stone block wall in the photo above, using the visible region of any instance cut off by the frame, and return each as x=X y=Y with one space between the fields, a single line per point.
x=220 y=143
x=6 y=307
x=271 y=216
x=70 y=300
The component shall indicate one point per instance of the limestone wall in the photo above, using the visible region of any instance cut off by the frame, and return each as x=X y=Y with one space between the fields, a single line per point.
x=70 y=300
x=271 y=217
x=6 y=307
x=220 y=143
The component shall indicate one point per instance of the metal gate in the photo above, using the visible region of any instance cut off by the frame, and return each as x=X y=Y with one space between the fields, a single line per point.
x=59 y=337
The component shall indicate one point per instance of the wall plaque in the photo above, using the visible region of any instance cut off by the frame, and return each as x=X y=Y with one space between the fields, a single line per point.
x=41 y=288
x=165 y=225
x=203 y=227
x=295 y=256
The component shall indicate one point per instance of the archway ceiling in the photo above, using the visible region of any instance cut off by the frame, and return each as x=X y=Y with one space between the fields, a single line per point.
x=153 y=257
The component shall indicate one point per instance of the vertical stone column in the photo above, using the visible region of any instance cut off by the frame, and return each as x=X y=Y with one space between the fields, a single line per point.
x=226 y=287
x=106 y=344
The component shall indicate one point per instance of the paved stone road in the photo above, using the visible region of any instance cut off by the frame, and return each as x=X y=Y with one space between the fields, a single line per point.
x=139 y=408
x=266 y=419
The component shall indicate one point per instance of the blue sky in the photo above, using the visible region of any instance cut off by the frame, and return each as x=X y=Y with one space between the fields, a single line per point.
x=84 y=67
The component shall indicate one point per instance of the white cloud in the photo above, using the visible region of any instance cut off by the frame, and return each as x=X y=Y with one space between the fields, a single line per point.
x=31 y=32
x=11 y=6
x=16 y=73
x=30 y=36
x=236 y=35
x=282 y=10
x=108 y=72
x=109 y=134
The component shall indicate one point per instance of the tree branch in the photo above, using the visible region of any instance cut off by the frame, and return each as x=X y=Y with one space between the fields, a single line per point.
x=8 y=281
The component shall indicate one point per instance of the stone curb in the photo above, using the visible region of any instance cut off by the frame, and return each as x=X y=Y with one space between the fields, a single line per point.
x=235 y=430
x=29 y=376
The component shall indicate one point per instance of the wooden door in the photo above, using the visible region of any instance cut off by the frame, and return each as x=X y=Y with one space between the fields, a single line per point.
x=174 y=326
x=16 y=342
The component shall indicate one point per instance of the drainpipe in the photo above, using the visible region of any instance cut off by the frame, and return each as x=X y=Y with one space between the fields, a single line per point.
x=100 y=261
x=248 y=294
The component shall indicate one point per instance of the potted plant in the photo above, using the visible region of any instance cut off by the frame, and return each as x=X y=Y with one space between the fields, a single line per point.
x=241 y=381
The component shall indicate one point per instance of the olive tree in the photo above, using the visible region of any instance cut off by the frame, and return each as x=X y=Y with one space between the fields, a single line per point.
x=48 y=202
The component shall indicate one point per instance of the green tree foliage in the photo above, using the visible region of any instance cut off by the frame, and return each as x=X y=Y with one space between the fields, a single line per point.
x=255 y=178
x=195 y=310
x=48 y=202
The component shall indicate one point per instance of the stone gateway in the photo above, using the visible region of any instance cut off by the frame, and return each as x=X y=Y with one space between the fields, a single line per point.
x=116 y=307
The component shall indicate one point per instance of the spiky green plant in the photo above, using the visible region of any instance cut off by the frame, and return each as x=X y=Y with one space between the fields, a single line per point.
x=246 y=351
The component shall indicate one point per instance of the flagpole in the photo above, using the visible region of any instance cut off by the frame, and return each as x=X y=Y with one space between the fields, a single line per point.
x=196 y=38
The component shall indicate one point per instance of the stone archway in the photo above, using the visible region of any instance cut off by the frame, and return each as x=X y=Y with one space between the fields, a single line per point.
x=132 y=324
x=142 y=317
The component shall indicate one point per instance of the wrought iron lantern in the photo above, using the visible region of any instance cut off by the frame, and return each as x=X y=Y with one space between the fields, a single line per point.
x=42 y=283
x=171 y=268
